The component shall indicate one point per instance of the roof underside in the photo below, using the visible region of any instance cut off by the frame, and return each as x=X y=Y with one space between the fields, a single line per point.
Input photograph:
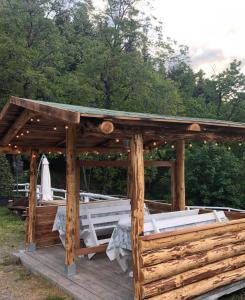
x=25 y=124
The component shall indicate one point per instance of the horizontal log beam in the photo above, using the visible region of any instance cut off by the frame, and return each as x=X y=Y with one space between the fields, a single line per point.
x=177 y=266
x=90 y=250
x=203 y=286
x=153 y=257
x=15 y=127
x=188 y=277
x=167 y=239
x=121 y=163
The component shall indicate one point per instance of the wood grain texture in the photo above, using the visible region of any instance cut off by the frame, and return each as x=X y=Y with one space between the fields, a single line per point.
x=180 y=175
x=166 y=239
x=32 y=197
x=152 y=257
x=137 y=205
x=176 y=266
x=203 y=286
x=191 y=276
x=71 y=187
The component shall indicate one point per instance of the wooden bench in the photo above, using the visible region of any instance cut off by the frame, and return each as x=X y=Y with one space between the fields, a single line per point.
x=176 y=220
x=99 y=219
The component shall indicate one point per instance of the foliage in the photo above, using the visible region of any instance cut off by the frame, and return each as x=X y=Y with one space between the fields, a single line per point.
x=213 y=176
x=6 y=177
x=117 y=58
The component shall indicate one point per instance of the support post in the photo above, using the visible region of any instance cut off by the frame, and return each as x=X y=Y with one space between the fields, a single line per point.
x=180 y=175
x=173 y=185
x=78 y=206
x=129 y=177
x=31 y=245
x=71 y=205
x=137 y=205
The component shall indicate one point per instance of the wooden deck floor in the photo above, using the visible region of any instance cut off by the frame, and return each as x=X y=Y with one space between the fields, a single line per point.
x=96 y=279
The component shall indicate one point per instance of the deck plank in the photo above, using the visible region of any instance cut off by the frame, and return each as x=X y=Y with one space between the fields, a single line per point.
x=95 y=279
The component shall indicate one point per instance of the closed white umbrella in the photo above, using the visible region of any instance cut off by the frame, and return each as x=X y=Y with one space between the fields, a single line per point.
x=46 y=193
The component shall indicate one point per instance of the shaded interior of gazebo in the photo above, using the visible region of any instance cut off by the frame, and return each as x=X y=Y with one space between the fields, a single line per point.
x=34 y=127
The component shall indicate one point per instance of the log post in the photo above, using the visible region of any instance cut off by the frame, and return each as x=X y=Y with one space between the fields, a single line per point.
x=129 y=177
x=180 y=175
x=31 y=245
x=137 y=205
x=78 y=206
x=71 y=205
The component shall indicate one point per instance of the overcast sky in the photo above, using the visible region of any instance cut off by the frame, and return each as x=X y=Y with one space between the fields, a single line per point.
x=214 y=30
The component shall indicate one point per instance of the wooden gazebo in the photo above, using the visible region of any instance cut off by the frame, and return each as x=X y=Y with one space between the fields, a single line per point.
x=175 y=265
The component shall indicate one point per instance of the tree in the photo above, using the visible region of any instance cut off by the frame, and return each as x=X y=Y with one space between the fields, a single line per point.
x=6 y=177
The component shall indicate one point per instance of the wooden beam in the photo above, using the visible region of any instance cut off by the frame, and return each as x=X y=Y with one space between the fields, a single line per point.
x=106 y=127
x=180 y=175
x=71 y=201
x=20 y=121
x=173 y=185
x=32 y=202
x=137 y=206
x=48 y=110
x=77 y=206
x=88 y=250
x=129 y=177
x=194 y=127
x=121 y=163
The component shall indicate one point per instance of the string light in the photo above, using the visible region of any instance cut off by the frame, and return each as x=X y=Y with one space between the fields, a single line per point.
x=240 y=144
x=109 y=156
x=66 y=127
x=229 y=148
x=34 y=155
x=190 y=145
x=216 y=144
x=117 y=140
x=205 y=142
x=31 y=119
x=18 y=151
x=9 y=145
x=38 y=120
x=59 y=152
x=17 y=136
x=55 y=128
x=22 y=134
x=128 y=150
x=15 y=146
x=154 y=143
x=172 y=146
x=49 y=152
x=27 y=131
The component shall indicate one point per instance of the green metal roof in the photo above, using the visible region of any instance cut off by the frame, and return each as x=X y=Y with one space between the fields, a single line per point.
x=99 y=112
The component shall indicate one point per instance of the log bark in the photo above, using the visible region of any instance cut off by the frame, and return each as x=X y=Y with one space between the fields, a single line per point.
x=77 y=206
x=71 y=205
x=180 y=175
x=137 y=205
x=188 y=277
x=106 y=127
x=168 y=239
x=153 y=257
x=32 y=199
x=177 y=266
x=203 y=286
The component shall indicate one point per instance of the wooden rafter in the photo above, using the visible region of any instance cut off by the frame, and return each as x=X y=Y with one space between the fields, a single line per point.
x=122 y=163
x=16 y=126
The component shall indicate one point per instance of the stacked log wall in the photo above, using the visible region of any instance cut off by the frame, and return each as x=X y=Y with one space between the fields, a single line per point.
x=190 y=262
x=44 y=236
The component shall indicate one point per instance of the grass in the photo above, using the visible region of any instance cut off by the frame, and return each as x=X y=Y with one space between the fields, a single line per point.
x=16 y=282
